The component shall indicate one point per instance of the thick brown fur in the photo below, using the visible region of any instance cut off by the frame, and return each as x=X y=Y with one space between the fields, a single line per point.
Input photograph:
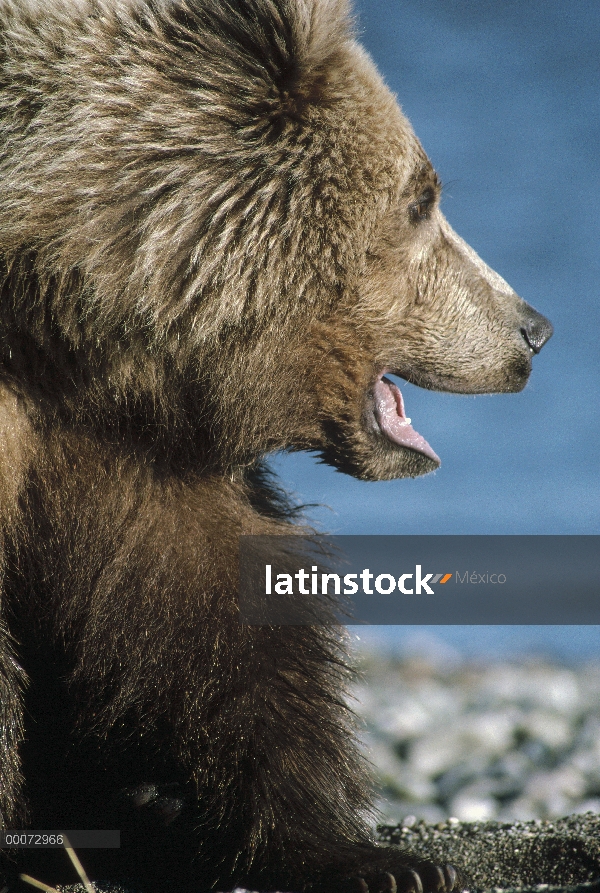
x=217 y=231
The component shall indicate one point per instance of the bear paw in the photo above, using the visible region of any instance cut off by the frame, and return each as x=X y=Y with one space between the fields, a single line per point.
x=430 y=878
x=393 y=871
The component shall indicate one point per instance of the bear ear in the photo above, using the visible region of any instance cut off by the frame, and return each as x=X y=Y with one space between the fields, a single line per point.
x=321 y=29
x=261 y=53
x=264 y=58
x=322 y=26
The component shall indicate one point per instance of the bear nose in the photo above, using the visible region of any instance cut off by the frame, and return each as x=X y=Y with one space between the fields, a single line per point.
x=535 y=328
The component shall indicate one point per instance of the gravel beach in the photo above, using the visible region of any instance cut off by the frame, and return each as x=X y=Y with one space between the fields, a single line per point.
x=506 y=741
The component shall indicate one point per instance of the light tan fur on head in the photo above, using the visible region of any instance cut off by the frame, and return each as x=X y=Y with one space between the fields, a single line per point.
x=194 y=176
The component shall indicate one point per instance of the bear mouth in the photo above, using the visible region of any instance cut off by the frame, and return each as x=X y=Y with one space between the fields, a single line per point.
x=392 y=422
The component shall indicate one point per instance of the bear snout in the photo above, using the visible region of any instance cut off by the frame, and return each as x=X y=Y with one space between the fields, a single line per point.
x=535 y=329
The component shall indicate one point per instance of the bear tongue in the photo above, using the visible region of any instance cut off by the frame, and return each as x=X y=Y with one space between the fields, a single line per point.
x=389 y=412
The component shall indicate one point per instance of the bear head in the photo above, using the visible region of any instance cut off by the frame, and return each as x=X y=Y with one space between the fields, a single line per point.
x=222 y=234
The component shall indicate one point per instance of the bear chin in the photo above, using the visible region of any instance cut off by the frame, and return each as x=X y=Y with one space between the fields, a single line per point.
x=376 y=458
x=389 y=461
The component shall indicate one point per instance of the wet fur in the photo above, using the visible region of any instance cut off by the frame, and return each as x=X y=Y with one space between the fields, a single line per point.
x=208 y=251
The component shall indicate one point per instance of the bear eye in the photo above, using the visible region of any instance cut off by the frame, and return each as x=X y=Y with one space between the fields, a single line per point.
x=420 y=209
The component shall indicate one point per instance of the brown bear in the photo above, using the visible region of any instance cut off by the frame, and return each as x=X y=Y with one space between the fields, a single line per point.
x=218 y=233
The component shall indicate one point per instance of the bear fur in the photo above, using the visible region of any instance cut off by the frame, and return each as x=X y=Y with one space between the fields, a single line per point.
x=218 y=232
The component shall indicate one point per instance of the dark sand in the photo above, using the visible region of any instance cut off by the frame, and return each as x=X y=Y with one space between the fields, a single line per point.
x=549 y=856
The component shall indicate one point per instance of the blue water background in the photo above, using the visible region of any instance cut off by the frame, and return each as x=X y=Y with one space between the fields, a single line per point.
x=505 y=98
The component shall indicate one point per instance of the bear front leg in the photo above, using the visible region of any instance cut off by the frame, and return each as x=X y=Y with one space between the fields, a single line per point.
x=280 y=788
x=223 y=752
